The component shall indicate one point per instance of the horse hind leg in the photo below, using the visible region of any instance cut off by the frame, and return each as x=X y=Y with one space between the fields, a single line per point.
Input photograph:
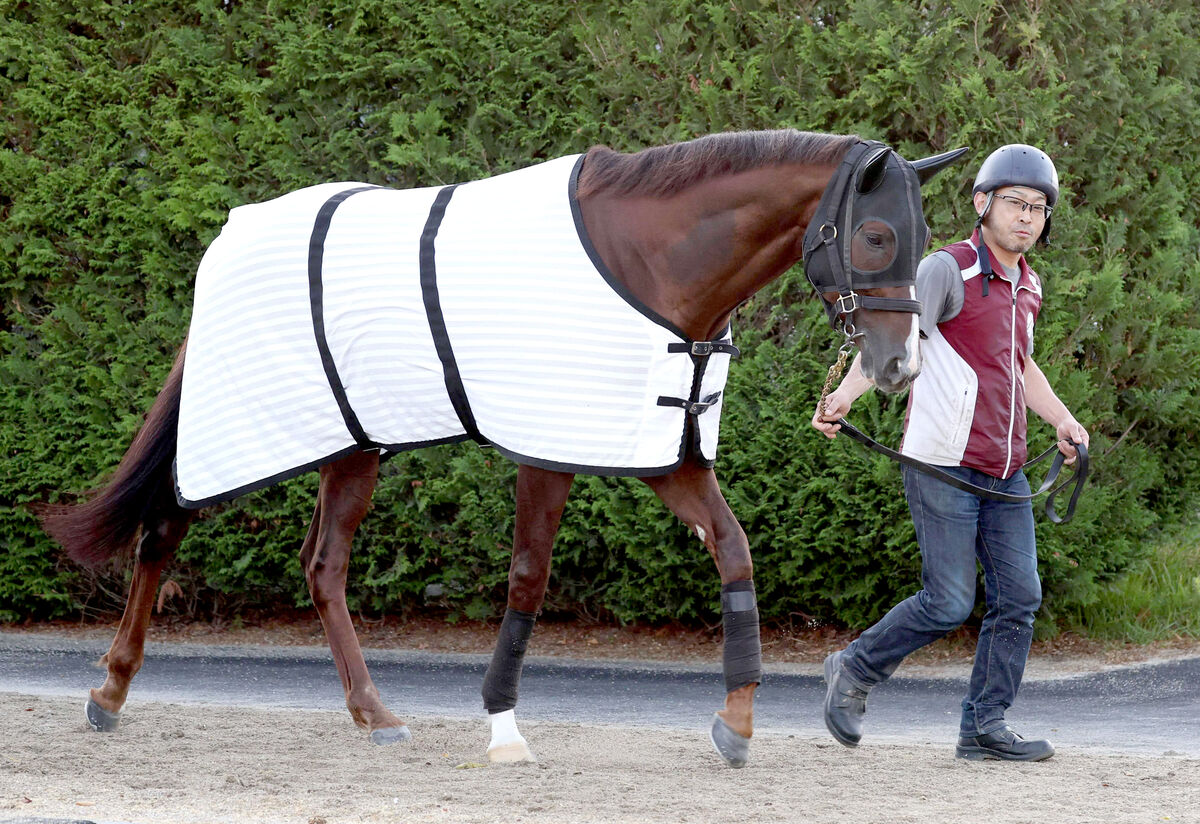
x=162 y=531
x=343 y=500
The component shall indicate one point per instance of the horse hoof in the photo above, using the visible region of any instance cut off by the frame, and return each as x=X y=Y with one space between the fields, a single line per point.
x=514 y=752
x=390 y=735
x=734 y=749
x=100 y=719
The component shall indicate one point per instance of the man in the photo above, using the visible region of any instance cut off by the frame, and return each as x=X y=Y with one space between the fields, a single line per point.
x=966 y=414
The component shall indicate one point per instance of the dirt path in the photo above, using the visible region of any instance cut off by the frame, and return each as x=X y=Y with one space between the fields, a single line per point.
x=172 y=764
x=178 y=764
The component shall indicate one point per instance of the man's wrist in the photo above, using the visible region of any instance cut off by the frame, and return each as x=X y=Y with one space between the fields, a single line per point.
x=856 y=385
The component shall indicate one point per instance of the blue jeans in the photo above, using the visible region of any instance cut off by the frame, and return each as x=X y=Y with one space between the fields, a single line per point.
x=954 y=528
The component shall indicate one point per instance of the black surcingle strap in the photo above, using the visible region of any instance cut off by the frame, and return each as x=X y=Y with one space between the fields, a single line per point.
x=427 y=261
x=704 y=348
x=316 y=296
x=690 y=407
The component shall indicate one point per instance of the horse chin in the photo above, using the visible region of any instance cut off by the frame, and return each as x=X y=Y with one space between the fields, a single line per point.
x=895 y=377
x=893 y=387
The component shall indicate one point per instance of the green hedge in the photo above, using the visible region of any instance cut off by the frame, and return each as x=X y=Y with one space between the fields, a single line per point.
x=131 y=129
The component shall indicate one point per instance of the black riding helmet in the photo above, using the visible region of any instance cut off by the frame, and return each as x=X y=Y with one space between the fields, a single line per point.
x=1018 y=165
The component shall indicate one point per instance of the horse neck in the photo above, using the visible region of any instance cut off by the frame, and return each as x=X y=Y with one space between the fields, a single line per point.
x=695 y=255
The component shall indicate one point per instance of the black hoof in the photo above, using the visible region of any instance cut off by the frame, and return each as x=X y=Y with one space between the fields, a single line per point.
x=100 y=719
x=733 y=748
x=390 y=735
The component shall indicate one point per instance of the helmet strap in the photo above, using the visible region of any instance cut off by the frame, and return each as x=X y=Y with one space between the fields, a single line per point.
x=987 y=207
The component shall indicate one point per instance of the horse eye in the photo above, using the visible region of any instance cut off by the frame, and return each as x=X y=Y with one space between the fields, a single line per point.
x=874 y=246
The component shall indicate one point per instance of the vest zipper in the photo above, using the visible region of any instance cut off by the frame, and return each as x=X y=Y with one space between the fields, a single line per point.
x=1012 y=389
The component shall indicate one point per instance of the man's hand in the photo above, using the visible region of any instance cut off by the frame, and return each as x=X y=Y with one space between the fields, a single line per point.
x=1070 y=431
x=837 y=404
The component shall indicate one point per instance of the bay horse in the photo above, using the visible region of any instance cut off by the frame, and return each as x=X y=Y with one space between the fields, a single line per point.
x=676 y=237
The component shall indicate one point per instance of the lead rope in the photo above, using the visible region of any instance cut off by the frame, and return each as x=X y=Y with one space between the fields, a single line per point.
x=1079 y=478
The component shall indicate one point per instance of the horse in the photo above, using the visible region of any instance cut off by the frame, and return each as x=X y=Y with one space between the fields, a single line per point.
x=663 y=245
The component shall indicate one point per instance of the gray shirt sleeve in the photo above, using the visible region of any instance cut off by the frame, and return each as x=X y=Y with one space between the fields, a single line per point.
x=940 y=290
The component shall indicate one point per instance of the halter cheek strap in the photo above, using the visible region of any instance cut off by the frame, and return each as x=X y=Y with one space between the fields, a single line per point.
x=829 y=233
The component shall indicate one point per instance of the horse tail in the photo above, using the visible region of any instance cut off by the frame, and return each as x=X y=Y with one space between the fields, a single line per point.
x=95 y=530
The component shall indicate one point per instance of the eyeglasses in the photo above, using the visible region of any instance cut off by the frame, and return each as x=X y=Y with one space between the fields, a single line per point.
x=1036 y=209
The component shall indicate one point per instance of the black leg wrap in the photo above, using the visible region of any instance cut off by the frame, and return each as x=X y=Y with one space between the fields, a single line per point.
x=504 y=673
x=743 y=649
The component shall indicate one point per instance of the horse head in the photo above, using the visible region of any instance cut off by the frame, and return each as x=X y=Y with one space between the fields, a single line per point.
x=861 y=252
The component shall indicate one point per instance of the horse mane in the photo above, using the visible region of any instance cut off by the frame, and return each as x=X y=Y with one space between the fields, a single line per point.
x=666 y=170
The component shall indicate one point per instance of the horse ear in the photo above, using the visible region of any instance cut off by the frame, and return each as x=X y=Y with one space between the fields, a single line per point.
x=929 y=166
x=872 y=171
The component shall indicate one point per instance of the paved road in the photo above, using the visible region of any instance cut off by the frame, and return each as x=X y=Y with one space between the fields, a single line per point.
x=1153 y=709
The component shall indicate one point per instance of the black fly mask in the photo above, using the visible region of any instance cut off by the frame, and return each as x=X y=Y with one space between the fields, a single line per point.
x=869 y=230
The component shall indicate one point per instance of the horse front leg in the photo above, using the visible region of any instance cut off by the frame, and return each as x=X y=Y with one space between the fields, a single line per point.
x=342 y=502
x=694 y=495
x=541 y=496
x=162 y=531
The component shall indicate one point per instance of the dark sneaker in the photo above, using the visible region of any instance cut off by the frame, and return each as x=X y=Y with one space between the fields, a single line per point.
x=1003 y=745
x=845 y=703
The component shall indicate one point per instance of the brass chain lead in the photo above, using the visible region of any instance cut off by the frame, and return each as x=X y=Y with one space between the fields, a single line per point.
x=833 y=375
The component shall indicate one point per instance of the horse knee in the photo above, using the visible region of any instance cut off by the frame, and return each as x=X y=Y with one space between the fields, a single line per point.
x=736 y=568
x=730 y=549
x=325 y=573
x=527 y=580
x=733 y=560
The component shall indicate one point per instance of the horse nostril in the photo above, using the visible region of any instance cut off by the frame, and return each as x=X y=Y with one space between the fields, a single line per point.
x=898 y=373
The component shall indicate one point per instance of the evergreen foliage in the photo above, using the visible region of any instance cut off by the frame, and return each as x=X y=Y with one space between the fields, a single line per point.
x=130 y=130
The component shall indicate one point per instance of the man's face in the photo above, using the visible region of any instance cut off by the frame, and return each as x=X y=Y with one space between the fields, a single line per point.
x=1016 y=218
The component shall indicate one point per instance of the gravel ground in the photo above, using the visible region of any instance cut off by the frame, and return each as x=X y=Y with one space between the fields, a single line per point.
x=173 y=764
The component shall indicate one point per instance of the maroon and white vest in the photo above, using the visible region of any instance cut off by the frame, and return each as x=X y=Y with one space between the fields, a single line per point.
x=967 y=407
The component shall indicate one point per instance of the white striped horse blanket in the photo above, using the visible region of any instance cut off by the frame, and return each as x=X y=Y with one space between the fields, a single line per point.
x=347 y=317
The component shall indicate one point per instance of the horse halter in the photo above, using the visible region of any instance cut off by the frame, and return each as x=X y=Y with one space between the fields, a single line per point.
x=872 y=184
